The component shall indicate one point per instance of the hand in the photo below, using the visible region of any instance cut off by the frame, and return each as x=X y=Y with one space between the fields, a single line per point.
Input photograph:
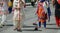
x=25 y=6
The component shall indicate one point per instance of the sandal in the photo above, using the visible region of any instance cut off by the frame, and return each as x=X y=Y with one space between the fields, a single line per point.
x=19 y=30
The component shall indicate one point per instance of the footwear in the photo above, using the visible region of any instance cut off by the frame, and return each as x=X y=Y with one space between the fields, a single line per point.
x=34 y=23
x=36 y=29
x=19 y=30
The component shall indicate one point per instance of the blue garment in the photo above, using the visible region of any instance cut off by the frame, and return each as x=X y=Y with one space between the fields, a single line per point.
x=49 y=11
x=10 y=9
x=42 y=0
x=43 y=23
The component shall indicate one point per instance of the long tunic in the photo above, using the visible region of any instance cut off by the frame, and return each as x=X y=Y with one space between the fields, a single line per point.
x=18 y=4
x=41 y=13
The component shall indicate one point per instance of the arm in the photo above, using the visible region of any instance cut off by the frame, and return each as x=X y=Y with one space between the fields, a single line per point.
x=23 y=1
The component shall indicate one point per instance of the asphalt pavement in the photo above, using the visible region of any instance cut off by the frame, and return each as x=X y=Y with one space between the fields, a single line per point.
x=28 y=26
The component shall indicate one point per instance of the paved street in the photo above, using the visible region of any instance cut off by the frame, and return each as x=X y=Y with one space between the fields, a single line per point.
x=28 y=27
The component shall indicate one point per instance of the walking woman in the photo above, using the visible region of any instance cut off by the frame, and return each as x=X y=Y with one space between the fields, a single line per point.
x=56 y=4
x=18 y=14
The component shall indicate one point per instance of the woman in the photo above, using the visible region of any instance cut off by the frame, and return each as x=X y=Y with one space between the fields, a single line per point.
x=18 y=16
x=57 y=11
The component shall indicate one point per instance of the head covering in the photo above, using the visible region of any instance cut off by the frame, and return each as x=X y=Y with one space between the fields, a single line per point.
x=42 y=0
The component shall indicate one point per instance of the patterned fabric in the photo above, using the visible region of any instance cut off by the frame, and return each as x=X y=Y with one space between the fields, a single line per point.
x=41 y=12
x=3 y=7
x=18 y=10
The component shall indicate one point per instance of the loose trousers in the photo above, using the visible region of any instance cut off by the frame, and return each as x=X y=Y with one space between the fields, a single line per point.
x=57 y=21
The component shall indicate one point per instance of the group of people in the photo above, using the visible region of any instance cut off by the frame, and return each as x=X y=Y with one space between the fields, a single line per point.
x=16 y=7
x=43 y=12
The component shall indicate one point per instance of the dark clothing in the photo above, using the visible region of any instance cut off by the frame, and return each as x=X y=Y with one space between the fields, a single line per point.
x=57 y=13
x=57 y=7
x=49 y=11
x=42 y=0
x=32 y=3
x=10 y=9
x=43 y=23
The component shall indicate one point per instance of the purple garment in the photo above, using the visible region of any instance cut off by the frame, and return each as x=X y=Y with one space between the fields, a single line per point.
x=42 y=0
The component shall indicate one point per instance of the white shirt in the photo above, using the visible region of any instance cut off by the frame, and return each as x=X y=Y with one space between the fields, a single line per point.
x=17 y=3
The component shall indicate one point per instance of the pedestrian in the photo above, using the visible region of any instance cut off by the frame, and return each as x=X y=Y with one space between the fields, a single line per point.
x=18 y=16
x=48 y=10
x=4 y=10
x=56 y=4
x=41 y=13
x=10 y=4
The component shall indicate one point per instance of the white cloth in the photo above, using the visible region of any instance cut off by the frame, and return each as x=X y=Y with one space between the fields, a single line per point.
x=45 y=6
x=16 y=17
x=16 y=12
x=3 y=19
x=4 y=8
x=15 y=2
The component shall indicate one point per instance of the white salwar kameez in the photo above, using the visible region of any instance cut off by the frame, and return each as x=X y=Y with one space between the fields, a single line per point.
x=16 y=12
x=4 y=10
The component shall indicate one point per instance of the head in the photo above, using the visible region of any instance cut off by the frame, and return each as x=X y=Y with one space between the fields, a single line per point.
x=42 y=0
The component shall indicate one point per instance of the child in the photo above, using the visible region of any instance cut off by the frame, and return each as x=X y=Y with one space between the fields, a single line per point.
x=41 y=15
x=18 y=14
x=4 y=11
